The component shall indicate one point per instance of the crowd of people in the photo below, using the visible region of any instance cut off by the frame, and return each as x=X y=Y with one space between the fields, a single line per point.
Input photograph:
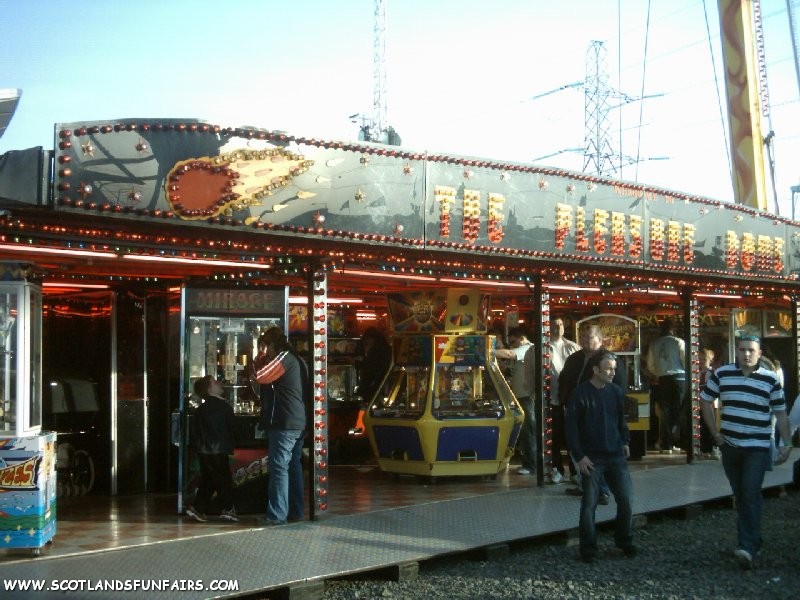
x=745 y=422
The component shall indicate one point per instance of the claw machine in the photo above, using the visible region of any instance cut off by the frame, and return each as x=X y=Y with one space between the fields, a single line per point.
x=220 y=330
x=27 y=454
x=448 y=410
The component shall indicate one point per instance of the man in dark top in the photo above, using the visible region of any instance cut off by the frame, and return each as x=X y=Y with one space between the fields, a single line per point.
x=599 y=440
x=283 y=377
x=212 y=436
x=665 y=360
x=373 y=366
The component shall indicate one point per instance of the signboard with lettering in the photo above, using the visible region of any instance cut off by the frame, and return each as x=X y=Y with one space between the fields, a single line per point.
x=218 y=301
x=620 y=333
x=197 y=174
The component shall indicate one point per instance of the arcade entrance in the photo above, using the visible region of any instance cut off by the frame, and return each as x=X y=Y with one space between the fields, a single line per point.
x=107 y=382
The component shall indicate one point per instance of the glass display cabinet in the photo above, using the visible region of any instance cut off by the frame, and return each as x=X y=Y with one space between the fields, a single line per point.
x=21 y=351
x=27 y=454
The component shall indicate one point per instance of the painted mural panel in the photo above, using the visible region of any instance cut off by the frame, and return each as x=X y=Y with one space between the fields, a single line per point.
x=192 y=172
x=27 y=490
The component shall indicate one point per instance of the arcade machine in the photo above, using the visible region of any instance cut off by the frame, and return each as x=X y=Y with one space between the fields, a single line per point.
x=343 y=402
x=448 y=409
x=27 y=454
x=220 y=333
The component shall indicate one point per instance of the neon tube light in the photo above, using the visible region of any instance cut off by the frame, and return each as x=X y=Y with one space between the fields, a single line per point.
x=304 y=300
x=195 y=261
x=570 y=288
x=483 y=282
x=60 y=251
x=80 y=286
x=731 y=296
x=654 y=292
x=380 y=274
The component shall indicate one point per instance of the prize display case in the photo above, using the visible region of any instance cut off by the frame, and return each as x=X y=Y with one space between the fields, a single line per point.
x=27 y=454
x=21 y=352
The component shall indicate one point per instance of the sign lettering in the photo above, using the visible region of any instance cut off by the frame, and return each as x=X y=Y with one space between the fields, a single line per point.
x=445 y=198
x=20 y=476
x=762 y=253
x=271 y=301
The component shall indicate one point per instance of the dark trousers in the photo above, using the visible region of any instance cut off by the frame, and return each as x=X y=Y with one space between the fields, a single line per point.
x=559 y=438
x=706 y=441
x=669 y=396
x=215 y=476
x=527 y=434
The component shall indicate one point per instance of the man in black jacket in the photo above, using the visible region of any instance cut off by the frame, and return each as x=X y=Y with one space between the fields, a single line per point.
x=212 y=436
x=599 y=441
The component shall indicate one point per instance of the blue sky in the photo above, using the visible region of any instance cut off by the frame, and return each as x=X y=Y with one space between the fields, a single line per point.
x=461 y=75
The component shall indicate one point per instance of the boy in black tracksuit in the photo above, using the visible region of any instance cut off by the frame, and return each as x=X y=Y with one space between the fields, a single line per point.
x=212 y=436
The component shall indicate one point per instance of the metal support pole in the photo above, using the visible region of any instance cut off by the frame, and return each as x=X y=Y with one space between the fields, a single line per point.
x=317 y=404
x=541 y=333
x=691 y=399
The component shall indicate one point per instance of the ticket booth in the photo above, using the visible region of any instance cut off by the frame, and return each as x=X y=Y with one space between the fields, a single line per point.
x=447 y=409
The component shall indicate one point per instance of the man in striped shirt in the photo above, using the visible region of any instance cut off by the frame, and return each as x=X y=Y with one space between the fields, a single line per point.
x=749 y=395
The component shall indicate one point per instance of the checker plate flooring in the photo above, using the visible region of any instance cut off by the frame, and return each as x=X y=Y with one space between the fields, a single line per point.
x=376 y=520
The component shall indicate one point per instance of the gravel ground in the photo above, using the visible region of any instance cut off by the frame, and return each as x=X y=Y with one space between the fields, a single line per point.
x=679 y=557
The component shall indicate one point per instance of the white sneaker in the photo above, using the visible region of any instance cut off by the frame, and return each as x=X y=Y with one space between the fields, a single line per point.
x=191 y=511
x=743 y=557
x=229 y=515
x=556 y=477
x=524 y=471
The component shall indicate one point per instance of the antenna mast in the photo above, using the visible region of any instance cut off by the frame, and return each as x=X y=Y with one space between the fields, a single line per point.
x=378 y=129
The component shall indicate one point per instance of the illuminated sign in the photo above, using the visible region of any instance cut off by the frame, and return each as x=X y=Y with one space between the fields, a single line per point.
x=212 y=301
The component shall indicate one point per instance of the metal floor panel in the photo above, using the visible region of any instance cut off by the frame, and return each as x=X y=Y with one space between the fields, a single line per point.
x=263 y=559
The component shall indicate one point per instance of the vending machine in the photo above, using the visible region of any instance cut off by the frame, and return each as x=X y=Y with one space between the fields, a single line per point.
x=448 y=409
x=220 y=330
x=27 y=454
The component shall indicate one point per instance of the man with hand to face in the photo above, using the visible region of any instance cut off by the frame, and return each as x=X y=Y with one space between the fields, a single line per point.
x=599 y=441
x=749 y=396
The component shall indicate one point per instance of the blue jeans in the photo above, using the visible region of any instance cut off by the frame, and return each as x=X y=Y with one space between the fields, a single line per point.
x=603 y=485
x=615 y=471
x=745 y=470
x=285 y=489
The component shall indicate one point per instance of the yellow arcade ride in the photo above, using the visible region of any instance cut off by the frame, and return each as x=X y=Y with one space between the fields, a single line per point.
x=445 y=408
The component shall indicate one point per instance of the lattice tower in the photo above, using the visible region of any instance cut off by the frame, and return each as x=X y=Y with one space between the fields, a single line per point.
x=598 y=155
